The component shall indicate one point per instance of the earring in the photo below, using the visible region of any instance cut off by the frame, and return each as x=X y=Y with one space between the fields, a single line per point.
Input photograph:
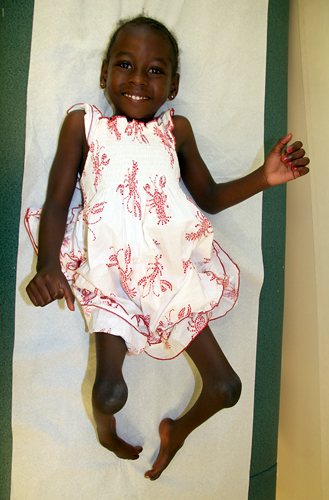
x=171 y=97
x=103 y=85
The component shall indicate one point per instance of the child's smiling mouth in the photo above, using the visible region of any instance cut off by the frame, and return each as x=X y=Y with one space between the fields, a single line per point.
x=136 y=97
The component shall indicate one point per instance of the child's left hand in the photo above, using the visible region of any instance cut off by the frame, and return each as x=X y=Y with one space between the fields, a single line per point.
x=283 y=165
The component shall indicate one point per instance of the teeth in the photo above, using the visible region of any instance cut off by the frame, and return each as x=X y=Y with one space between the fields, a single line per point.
x=135 y=97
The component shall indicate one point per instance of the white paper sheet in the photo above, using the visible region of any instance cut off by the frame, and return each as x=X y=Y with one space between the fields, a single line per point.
x=55 y=451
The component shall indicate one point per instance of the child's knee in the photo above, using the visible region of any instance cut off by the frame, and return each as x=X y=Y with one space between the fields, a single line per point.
x=233 y=391
x=228 y=391
x=109 y=396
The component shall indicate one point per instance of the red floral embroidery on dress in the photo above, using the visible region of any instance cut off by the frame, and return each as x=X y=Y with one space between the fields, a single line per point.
x=110 y=301
x=187 y=264
x=191 y=201
x=205 y=228
x=84 y=194
x=185 y=312
x=199 y=323
x=136 y=129
x=151 y=339
x=231 y=293
x=99 y=162
x=73 y=263
x=157 y=199
x=130 y=187
x=87 y=300
x=125 y=274
x=167 y=141
x=112 y=126
x=153 y=273
x=35 y=215
x=72 y=216
x=155 y=338
x=224 y=281
x=132 y=351
x=105 y=330
x=93 y=210
x=88 y=297
x=163 y=331
x=32 y=214
x=141 y=318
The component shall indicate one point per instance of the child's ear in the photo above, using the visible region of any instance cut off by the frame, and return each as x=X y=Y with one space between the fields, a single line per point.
x=174 y=87
x=103 y=75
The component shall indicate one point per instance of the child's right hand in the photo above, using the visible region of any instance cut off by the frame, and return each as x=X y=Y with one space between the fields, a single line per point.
x=50 y=284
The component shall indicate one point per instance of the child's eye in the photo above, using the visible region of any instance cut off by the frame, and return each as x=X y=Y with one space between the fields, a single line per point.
x=156 y=71
x=124 y=64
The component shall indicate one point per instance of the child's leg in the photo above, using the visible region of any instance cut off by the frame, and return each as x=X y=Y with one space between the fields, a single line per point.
x=110 y=394
x=221 y=389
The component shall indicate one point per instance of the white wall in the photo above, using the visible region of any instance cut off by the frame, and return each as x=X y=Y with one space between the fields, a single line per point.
x=303 y=456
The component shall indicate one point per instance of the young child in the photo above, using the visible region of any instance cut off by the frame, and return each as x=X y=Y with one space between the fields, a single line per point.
x=141 y=257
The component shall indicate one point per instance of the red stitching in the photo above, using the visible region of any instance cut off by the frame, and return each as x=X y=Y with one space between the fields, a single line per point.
x=132 y=197
x=158 y=199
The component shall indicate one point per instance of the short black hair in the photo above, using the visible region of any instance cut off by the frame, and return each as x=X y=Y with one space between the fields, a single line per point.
x=152 y=23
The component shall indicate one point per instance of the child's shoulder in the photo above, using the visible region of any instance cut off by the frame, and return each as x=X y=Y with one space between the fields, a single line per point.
x=72 y=133
x=73 y=124
x=182 y=130
x=75 y=117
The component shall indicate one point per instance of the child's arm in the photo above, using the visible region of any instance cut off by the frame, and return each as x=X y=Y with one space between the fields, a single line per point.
x=279 y=167
x=49 y=283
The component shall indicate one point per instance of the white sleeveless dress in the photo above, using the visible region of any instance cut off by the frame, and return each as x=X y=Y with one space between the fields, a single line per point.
x=140 y=254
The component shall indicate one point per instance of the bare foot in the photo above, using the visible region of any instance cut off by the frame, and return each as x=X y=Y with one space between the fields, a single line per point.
x=118 y=446
x=170 y=444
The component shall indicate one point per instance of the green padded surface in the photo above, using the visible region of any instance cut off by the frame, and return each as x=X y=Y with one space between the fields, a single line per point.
x=263 y=485
x=268 y=367
x=15 y=43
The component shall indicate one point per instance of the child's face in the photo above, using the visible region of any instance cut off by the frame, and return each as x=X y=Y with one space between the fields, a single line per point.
x=139 y=73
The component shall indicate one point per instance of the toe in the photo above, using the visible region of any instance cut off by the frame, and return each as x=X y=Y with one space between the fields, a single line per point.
x=148 y=475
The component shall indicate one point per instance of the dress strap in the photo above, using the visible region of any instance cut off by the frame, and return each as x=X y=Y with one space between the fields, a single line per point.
x=92 y=115
x=166 y=119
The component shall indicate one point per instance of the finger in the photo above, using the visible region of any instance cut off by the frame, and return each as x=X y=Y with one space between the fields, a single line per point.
x=282 y=143
x=38 y=293
x=54 y=287
x=294 y=147
x=48 y=288
x=59 y=289
x=297 y=154
x=31 y=295
x=301 y=162
x=288 y=159
x=68 y=295
x=300 y=171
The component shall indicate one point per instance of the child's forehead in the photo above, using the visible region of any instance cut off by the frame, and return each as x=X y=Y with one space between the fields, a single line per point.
x=141 y=35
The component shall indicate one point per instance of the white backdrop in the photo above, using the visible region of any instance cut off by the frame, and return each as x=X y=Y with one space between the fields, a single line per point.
x=55 y=451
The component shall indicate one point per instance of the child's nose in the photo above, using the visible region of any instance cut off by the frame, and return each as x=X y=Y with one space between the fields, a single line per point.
x=137 y=77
